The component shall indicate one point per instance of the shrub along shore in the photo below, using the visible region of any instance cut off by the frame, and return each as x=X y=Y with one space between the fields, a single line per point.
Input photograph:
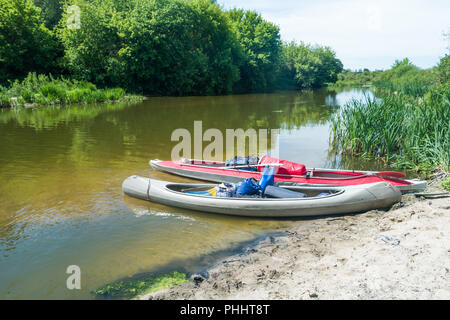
x=46 y=90
x=406 y=125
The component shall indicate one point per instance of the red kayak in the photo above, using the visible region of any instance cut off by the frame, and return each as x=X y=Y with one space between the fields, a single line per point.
x=288 y=173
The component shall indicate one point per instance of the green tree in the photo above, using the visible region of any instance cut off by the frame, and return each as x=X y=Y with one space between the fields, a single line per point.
x=261 y=45
x=443 y=69
x=213 y=37
x=26 y=45
x=310 y=67
x=94 y=52
x=399 y=69
x=51 y=11
x=158 y=47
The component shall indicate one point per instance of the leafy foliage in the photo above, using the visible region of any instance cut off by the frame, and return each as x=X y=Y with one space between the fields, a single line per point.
x=51 y=11
x=403 y=77
x=169 y=48
x=179 y=47
x=310 y=66
x=26 y=45
x=157 y=47
x=357 y=78
x=443 y=69
x=446 y=183
x=46 y=90
x=261 y=46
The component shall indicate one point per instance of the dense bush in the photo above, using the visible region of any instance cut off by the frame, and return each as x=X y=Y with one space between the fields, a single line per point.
x=51 y=11
x=157 y=47
x=403 y=77
x=177 y=47
x=408 y=124
x=169 y=48
x=26 y=45
x=357 y=78
x=41 y=89
x=407 y=78
x=310 y=66
x=261 y=46
x=443 y=69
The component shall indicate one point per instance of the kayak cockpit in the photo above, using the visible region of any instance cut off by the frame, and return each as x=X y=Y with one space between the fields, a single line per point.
x=271 y=192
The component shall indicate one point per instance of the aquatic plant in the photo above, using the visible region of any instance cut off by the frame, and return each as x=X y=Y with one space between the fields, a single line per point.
x=446 y=183
x=348 y=78
x=132 y=288
x=407 y=131
x=407 y=125
x=46 y=90
x=4 y=100
x=25 y=43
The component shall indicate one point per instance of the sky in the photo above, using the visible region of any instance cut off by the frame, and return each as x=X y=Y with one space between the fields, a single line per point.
x=363 y=33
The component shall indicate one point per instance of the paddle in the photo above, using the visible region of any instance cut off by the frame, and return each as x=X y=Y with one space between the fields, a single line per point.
x=390 y=174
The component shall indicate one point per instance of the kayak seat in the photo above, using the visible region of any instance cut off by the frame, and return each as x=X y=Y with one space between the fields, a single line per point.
x=277 y=192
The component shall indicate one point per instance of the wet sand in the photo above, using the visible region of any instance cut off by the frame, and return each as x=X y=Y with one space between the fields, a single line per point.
x=400 y=253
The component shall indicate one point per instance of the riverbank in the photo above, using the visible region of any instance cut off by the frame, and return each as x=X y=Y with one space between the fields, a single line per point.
x=39 y=90
x=402 y=253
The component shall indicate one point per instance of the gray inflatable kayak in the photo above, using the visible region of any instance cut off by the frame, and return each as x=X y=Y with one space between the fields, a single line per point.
x=339 y=201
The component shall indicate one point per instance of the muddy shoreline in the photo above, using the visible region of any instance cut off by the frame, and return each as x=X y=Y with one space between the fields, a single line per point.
x=401 y=253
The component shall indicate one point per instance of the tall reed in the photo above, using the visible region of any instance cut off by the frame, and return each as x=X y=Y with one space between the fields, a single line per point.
x=406 y=130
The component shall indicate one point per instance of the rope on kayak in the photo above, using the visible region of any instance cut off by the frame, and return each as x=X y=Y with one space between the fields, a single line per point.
x=433 y=195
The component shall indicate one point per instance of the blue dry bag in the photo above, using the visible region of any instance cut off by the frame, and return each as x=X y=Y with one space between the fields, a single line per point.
x=267 y=178
x=248 y=187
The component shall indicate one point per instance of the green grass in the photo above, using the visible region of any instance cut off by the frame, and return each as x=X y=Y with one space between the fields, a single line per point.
x=446 y=183
x=46 y=90
x=132 y=288
x=354 y=79
x=4 y=99
x=410 y=87
x=404 y=130
x=403 y=77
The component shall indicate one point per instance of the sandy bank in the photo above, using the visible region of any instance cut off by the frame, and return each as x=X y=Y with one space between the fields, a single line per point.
x=402 y=253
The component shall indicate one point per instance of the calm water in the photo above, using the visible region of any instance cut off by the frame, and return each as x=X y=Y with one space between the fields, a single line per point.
x=61 y=174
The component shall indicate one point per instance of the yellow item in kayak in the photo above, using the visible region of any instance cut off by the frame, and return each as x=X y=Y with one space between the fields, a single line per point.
x=212 y=191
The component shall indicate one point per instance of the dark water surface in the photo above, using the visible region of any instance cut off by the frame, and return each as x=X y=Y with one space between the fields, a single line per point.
x=61 y=173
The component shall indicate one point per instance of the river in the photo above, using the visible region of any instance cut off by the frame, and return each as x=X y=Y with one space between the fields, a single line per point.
x=62 y=168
